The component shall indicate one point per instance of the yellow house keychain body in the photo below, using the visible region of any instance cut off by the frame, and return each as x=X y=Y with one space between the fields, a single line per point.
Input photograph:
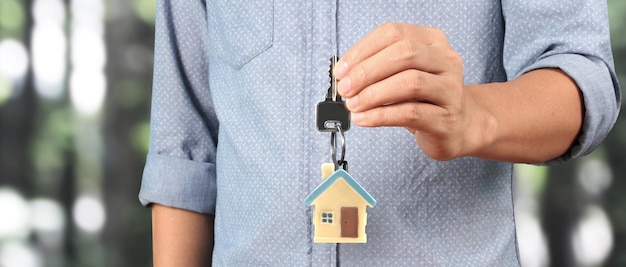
x=339 y=215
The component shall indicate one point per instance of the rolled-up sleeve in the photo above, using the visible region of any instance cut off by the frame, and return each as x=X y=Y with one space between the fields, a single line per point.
x=572 y=36
x=180 y=166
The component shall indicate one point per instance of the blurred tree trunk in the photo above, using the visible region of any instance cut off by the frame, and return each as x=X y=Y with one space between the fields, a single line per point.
x=67 y=198
x=17 y=117
x=561 y=209
x=615 y=196
x=615 y=146
x=128 y=236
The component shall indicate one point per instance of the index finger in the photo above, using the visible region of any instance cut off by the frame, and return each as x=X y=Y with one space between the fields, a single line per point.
x=383 y=36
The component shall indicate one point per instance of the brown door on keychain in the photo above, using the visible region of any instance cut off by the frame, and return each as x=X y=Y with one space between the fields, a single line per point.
x=350 y=222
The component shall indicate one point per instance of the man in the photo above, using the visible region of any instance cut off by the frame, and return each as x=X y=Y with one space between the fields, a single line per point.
x=446 y=100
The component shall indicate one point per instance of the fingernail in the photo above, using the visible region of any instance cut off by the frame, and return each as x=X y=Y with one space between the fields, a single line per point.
x=352 y=102
x=344 y=86
x=358 y=117
x=341 y=69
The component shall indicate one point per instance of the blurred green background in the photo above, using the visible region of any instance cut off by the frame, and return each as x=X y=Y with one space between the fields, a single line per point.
x=75 y=79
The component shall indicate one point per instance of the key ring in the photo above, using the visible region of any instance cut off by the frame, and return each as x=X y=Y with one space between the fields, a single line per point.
x=333 y=150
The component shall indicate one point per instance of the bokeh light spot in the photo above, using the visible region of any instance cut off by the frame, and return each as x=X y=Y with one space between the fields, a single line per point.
x=11 y=15
x=47 y=215
x=145 y=9
x=593 y=237
x=49 y=12
x=15 y=215
x=594 y=176
x=532 y=242
x=13 y=59
x=17 y=254
x=87 y=90
x=88 y=214
x=49 y=60
x=88 y=49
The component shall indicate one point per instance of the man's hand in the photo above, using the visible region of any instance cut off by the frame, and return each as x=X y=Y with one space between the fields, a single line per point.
x=409 y=76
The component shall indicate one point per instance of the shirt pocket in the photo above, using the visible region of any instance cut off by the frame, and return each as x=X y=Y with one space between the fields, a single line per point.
x=240 y=30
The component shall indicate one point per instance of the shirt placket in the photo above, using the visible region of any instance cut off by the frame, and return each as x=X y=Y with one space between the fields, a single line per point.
x=323 y=46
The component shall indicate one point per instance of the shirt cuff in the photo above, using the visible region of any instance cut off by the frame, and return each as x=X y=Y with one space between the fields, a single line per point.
x=601 y=104
x=179 y=183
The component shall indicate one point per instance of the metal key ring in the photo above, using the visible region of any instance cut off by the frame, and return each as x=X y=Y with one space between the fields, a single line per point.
x=333 y=150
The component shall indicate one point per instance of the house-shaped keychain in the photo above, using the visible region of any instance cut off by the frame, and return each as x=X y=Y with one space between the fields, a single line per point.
x=340 y=201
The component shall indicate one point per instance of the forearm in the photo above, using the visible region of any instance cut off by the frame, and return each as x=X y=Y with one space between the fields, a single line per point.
x=181 y=237
x=535 y=117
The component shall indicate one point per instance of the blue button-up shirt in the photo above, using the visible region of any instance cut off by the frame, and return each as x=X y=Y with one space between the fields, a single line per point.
x=233 y=129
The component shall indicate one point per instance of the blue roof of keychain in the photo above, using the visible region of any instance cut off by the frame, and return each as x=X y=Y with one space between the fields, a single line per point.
x=346 y=177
